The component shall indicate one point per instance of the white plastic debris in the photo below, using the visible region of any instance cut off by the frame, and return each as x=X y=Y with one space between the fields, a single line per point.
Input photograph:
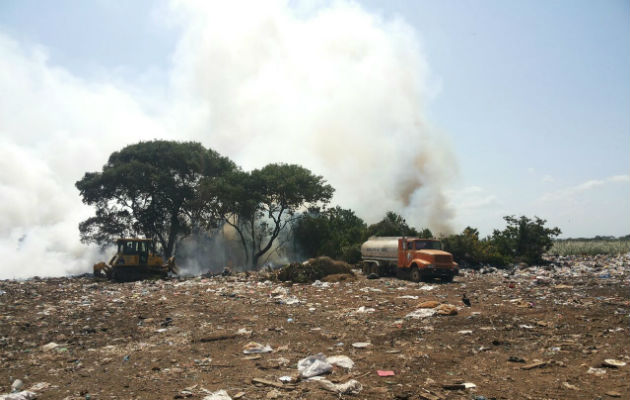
x=421 y=313
x=256 y=348
x=361 y=345
x=313 y=366
x=320 y=284
x=24 y=395
x=365 y=310
x=351 y=387
x=341 y=361
x=219 y=395
x=17 y=385
x=465 y=332
x=244 y=332
x=596 y=371
x=50 y=346
x=612 y=363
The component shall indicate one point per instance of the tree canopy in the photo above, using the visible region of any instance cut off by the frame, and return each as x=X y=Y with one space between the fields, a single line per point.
x=260 y=204
x=525 y=239
x=336 y=232
x=151 y=189
x=395 y=225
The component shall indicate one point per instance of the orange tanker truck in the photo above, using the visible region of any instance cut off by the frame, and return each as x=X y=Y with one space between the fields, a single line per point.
x=407 y=257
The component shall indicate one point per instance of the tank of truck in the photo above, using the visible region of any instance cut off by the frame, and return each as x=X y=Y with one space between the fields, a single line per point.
x=381 y=248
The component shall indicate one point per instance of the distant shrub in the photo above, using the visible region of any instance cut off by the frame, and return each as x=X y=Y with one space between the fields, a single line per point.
x=523 y=240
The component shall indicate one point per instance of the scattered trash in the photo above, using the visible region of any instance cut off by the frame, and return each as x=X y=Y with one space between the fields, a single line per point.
x=446 y=309
x=596 y=371
x=285 y=379
x=385 y=373
x=459 y=386
x=314 y=366
x=341 y=361
x=465 y=332
x=17 y=385
x=312 y=270
x=516 y=359
x=569 y=386
x=372 y=276
x=612 y=363
x=421 y=313
x=361 y=345
x=350 y=387
x=24 y=395
x=256 y=348
x=243 y=332
x=429 y=304
x=364 y=310
x=535 y=364
x=219 y=395
x=50 y=346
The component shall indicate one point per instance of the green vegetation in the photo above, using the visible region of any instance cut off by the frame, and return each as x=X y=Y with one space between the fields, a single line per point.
x=260 y=204
x=575 y=247
x=150 y=189
x=523 y=240
x=166 y=190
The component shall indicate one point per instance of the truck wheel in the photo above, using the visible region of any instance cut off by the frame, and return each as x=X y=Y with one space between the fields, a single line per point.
x=448 y=278
x=367 y=268
x=374 y=269
x=415 y=275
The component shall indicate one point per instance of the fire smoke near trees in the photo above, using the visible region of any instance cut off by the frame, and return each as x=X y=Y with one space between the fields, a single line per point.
x=335 y=89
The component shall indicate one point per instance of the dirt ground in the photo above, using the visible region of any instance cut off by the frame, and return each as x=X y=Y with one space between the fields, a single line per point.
x=531 y=334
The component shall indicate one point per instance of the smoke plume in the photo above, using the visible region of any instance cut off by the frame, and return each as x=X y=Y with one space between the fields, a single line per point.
x=334 y=88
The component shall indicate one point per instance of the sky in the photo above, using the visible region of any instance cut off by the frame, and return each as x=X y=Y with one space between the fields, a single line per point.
x=452 y=113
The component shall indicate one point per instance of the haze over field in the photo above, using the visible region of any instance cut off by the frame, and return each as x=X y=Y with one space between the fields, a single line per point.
x=341 y=88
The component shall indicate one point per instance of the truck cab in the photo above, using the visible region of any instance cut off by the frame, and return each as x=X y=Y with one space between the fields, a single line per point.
x=425 y=258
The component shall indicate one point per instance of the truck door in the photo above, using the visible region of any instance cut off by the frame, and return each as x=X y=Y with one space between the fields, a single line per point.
x=402 y=253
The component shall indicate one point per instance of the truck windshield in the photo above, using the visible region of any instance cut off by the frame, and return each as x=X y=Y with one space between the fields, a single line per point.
x=427 y=245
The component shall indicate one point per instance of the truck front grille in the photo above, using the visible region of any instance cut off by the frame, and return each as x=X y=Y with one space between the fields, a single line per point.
x=443 y=259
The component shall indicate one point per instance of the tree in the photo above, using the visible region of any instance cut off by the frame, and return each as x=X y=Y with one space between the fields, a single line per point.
x=259 y=205
x=524 y=239
x=150 y=189
x=392 y=225
x=336 y=232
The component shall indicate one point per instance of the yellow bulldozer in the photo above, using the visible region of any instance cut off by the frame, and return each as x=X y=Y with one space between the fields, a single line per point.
x=135 y=260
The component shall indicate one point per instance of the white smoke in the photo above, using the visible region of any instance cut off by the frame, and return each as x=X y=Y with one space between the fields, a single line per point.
x=333 y=88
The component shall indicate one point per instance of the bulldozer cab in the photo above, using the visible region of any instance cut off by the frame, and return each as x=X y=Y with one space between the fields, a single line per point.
x=135 y=247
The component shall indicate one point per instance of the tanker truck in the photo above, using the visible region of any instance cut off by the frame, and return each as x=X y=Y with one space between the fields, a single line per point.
x=407 y=257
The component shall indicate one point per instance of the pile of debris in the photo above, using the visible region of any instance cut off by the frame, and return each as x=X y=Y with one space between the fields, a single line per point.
x=313 y=270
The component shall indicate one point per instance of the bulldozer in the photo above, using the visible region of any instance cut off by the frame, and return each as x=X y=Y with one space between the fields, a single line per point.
x=135 y=260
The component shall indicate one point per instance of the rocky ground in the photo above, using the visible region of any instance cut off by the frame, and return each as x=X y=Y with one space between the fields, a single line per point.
x=530 y=333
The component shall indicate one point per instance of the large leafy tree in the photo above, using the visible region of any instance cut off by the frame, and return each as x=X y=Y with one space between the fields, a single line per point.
x=524 y=239
x=260 y=204
x=151 y=189
x=336 y=232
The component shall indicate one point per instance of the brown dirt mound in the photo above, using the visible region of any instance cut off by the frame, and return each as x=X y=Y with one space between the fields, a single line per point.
x=312 y=270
